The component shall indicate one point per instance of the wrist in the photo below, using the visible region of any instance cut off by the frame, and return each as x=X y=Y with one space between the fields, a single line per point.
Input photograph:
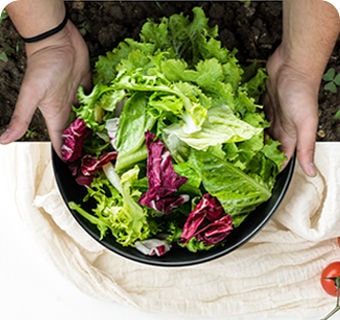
x=61 y=38
x=283 y=67
x=35 y=17
x=48 y=33
x=310 y=30
x=300 y=60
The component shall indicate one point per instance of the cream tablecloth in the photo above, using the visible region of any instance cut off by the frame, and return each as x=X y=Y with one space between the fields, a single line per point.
x=274 y=276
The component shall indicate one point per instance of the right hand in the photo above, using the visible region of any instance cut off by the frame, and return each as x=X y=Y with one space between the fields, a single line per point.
x=291 y=104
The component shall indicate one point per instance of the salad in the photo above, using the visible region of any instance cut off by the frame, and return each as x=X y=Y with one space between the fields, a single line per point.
x=170 y=143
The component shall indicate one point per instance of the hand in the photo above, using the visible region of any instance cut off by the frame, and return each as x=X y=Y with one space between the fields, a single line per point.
x=56 y=67
x=291 y=105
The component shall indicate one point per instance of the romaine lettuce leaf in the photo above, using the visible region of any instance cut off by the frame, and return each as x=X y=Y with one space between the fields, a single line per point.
x=236 y=191
x=134 y=121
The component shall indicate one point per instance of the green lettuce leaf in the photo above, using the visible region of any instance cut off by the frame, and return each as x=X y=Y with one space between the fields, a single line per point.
x=118 y=212
x=134 y=121
x=236 y=191
x=220 y=126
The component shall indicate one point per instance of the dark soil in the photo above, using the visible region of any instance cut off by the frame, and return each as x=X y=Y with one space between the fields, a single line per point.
x=255 y=30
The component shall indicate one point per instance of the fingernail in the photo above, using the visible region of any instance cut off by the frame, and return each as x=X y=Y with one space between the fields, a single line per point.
x=4 y=137
x=311 y=170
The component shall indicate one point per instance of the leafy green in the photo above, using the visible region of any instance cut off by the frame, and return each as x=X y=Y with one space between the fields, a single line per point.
x=179 y=83
x=220 y=126
x=135 y=120
x=237 y=191
x=117 y=212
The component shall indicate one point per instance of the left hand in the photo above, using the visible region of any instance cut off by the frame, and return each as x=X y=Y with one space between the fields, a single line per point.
x=56 y=67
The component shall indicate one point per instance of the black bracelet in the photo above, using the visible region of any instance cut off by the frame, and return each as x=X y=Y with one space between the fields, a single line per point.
x=48 y=33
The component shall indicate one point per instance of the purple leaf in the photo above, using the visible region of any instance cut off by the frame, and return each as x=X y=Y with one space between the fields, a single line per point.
x=153 y=247
x=207 y=222
x=163 y=180
x=73 y=138
x=216 y=231
x=91 y=164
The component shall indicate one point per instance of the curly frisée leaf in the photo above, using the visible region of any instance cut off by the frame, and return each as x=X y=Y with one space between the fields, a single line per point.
x=118 y=212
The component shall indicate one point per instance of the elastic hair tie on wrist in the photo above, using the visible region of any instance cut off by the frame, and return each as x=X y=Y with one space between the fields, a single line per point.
x=48 y=33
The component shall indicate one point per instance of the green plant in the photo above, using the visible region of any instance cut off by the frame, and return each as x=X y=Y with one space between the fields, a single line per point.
x=3 y=16
x=83 y=27
x=3 y=56
x=246 y=2
x=30 y=134
x=332 y=79
x=337 y=115
x=4 y=51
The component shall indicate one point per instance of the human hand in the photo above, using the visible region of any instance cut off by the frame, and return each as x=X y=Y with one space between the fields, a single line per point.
x=56 y=67
x=291 y=104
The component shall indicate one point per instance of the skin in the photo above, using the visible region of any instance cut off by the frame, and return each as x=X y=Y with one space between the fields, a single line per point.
x=310 y=30
x=57 y=65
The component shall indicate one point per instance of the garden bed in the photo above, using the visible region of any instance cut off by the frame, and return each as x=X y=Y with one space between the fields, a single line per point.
x=254 y=29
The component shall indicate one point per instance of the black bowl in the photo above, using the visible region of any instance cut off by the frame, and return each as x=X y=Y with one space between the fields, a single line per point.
x=177 y=256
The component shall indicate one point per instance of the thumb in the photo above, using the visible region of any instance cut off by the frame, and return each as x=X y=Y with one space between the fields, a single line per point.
x=306 y=149
x=22 y=116
x=56 y=128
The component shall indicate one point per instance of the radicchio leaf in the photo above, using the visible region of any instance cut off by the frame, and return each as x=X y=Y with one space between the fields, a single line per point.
x=79 y=177
x=84 y=169
x=207 y=222
x=73 y=138
x=163 y=180
x=153 y=247
x=91 y=164
x=216 y=231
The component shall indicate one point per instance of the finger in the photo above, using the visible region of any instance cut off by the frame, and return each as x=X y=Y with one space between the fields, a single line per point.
x=276 y=131
x=56 y=128
x=306 y=148
x=288 y=152
x=87 y=81
x=56 y=140
x=55 y=131
x=22 y=116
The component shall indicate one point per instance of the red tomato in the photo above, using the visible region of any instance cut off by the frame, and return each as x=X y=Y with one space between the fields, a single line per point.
x=328 y=276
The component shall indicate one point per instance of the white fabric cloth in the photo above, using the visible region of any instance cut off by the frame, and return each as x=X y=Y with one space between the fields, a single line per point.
x=275 y=275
